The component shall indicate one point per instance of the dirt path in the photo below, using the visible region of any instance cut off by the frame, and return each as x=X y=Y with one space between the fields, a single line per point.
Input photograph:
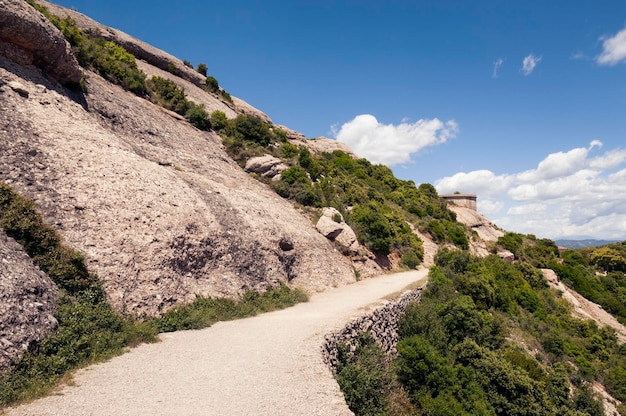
x=267 y=365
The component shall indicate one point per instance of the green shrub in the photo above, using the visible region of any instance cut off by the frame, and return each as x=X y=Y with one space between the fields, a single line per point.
x=218 y=120
x=65 y=266
x=211 y=84
x=197 y=116
x=168 y=95
x=204 y=312
x=202 y=69
x=107 y=58
x=89 y=330
x=364 y=377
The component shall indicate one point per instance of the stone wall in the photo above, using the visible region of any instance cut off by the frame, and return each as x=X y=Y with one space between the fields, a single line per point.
x=381 y=324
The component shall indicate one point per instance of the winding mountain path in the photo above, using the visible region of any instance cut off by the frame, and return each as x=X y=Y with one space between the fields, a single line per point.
x=270 y=364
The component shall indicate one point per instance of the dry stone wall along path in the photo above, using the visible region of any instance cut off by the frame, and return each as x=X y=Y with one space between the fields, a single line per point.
x=266 y=365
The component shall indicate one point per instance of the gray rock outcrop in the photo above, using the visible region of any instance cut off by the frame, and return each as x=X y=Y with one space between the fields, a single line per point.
x=28 y=38
x=332 y=226
x=478 y=223
x=27 y=301
x=266 y=165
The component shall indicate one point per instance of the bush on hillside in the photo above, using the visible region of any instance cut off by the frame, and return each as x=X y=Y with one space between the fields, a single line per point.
x=202 y=69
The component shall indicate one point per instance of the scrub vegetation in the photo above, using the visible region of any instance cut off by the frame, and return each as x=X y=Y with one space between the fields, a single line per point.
x=489 y=338
x=379 y=207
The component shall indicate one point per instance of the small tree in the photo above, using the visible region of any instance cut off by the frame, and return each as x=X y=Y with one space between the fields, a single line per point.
x=202 y=68
x=212 y=84
x=218 y=120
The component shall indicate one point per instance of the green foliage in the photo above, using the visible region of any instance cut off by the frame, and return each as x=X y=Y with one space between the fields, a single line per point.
x=89 y=330
x=197 y=116
x=536 y=252
x=211 y=84
x=609 y=259
x=202 y=69
x=364 y=378
x=204 y=312
x=20 y=220
x=608 y=291
x=218 y=120
x=187 y=63
x=251 y=129
x=169 y=95
x=115 y=64
x=456 y=354
x=107 y=58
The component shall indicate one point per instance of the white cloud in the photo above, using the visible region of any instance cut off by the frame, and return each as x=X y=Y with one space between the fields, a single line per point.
x=393 y=144
x=559 y=164
x=489 y=207
x=480 y=182
x=613 y=49
x=569 y=193
x=496 y=67
x=529 y=63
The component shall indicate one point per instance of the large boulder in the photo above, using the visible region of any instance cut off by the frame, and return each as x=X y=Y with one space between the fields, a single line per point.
x=28 y=38
x=266 y=165
x=332 y=226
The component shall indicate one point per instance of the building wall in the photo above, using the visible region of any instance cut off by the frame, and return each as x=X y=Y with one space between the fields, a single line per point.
x=462 y=200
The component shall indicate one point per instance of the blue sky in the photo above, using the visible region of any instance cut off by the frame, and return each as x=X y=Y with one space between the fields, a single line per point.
x=522 y=103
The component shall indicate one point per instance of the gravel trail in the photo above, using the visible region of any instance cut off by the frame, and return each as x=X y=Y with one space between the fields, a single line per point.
x=270 y=364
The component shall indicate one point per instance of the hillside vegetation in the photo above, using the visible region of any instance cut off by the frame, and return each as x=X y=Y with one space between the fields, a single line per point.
x=490 y=338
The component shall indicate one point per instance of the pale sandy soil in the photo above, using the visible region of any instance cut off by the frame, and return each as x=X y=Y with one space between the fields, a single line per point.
x=267 y=365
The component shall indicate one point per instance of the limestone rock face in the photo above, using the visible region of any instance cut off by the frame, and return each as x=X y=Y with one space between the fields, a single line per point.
x=266 y=165
x=27 y=301
x=28 y=38
x=339 y=232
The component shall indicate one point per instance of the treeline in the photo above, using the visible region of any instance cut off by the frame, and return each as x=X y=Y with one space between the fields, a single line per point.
x=488 y=338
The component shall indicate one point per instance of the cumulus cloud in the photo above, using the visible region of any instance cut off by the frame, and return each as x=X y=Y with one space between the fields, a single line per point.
x=496 y=67
x=393 y=144
x=480 y=182
x=529 y=63
x=559 y=164
x=570 y=193
x=613 y=49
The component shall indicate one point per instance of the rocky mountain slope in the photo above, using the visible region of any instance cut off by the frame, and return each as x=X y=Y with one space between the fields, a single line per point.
x=159 y=209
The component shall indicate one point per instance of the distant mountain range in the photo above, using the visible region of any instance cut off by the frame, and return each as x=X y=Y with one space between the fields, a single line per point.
x=588 y=242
